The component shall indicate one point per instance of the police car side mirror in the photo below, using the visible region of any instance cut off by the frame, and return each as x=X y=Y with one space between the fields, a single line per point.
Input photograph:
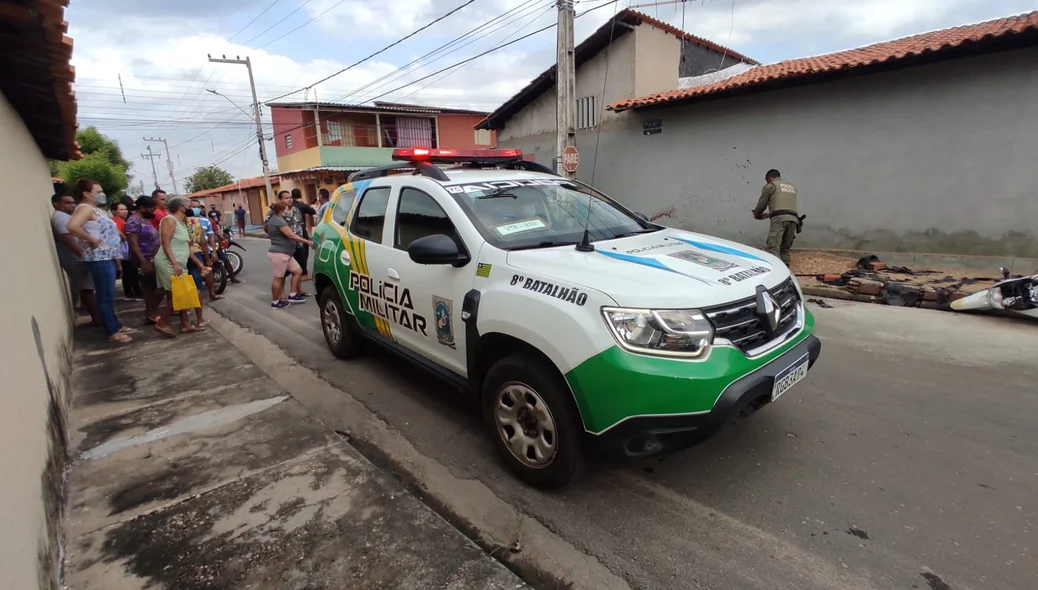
x=437 y=249
x=641 y=216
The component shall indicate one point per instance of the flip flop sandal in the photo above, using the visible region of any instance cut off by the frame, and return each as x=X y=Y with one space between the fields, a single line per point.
x=166 y=331
x=120 y=338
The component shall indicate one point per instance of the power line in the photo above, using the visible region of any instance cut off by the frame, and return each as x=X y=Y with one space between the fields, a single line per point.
x=283 y=19
x=103 y=97
x=312 y=19
x=231 y=38
x=247 y=146
x=487 y=52
x=200 y=135
x=387 y=47
x=509 y=36
x=473 y=58
x=404 y=70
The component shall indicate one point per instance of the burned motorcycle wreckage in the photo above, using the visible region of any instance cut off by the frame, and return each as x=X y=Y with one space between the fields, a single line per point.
x=1018 y=296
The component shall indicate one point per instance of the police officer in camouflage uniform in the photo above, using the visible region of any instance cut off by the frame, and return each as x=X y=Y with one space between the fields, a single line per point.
x=779 y=197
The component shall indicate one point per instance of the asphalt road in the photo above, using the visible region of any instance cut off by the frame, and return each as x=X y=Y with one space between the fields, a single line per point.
x=908 y=458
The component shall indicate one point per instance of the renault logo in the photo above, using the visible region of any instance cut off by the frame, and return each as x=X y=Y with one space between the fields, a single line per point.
x=768 y=309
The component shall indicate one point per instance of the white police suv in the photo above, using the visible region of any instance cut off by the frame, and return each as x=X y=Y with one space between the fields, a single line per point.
x=577 y=323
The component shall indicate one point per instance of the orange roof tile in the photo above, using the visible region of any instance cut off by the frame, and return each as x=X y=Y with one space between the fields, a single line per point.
x=37 y=79
x=898 y=52
x=243 y=184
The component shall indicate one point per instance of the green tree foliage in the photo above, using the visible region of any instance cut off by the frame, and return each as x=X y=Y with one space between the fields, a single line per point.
x=208 y=177
x=102 y=160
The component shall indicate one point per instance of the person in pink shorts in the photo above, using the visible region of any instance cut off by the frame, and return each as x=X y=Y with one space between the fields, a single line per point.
x=282 y=247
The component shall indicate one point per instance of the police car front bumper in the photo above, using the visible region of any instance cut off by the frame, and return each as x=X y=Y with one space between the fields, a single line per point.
x=652 y=435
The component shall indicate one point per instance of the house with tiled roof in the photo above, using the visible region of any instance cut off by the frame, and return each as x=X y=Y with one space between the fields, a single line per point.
x=250 y=193
x=319 y=144
x=920 y=144
x=642 y=56
x=37 y=123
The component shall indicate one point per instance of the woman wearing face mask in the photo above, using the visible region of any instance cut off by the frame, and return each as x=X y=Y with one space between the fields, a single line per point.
x=100 y=240
x=143 y=239
x=174 y=252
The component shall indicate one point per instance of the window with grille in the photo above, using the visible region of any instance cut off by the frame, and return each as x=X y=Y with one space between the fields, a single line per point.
x=288 y=141
x=586 y=113
x=336 y=134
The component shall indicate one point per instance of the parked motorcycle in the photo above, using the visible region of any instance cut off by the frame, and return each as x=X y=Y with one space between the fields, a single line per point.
x=224 y=252
x=237 y=262
x=1018 y=296
x=219 y=279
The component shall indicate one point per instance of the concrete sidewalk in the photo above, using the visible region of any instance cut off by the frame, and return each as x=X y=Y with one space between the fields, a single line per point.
x=193 y=469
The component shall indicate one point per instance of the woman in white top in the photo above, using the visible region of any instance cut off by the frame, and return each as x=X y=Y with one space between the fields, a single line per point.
x=100 y=240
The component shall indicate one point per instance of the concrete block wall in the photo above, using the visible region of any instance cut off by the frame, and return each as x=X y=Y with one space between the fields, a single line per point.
x=936 y=158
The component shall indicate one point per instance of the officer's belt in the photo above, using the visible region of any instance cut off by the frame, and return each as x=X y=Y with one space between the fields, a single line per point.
x=800 y=218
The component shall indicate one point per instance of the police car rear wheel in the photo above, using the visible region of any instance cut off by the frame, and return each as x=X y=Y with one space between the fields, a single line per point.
x=335 y=323
x=532 y=421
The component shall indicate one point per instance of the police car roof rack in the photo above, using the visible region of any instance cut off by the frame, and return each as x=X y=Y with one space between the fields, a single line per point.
x=420 y=168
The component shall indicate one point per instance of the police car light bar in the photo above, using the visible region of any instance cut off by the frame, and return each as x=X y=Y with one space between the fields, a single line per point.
x=448 y=156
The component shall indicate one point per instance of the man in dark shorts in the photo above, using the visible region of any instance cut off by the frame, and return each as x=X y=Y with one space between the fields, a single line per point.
x=239 y=219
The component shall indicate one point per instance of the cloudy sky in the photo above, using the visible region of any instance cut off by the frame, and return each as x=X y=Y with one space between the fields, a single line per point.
x=159 y=50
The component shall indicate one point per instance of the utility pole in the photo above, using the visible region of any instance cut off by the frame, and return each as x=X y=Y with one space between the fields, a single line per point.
x=151 y=157
x=317 y=118
x=566 y=85
x=169 y=159
x=256 y=112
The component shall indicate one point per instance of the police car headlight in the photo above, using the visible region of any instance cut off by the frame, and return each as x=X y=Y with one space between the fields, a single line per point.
x=673 y=332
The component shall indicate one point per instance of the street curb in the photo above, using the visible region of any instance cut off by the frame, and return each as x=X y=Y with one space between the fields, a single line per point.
x=521 y=543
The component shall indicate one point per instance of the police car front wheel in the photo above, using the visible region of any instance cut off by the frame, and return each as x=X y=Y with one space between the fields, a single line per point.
x=532 y=420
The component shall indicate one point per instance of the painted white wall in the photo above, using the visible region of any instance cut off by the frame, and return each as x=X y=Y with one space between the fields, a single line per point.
x=25 y=447
x=640 y=62
x=657 y=62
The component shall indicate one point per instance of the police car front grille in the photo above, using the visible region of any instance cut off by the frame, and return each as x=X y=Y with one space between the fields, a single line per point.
x=738 y=321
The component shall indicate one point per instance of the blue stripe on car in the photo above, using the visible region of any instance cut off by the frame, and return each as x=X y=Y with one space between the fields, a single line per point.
x=719 y=248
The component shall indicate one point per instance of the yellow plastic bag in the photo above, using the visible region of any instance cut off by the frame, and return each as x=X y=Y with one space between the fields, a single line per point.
x=184 y=292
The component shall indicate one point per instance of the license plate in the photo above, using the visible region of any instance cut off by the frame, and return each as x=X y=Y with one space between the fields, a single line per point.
x=790 y=376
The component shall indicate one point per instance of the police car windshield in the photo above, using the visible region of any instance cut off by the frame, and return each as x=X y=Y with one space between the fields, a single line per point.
x=531 y=213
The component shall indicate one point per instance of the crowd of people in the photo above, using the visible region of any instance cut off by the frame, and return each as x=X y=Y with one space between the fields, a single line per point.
x=146 y=242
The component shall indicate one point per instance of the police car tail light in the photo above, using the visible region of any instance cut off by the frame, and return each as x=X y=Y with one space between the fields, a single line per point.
x=449 y=156
x=679 y=333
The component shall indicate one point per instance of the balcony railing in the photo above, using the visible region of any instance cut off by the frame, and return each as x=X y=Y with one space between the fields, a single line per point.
x=388 y=136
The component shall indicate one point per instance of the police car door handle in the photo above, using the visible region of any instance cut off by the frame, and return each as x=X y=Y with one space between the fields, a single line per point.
x=393 y=274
